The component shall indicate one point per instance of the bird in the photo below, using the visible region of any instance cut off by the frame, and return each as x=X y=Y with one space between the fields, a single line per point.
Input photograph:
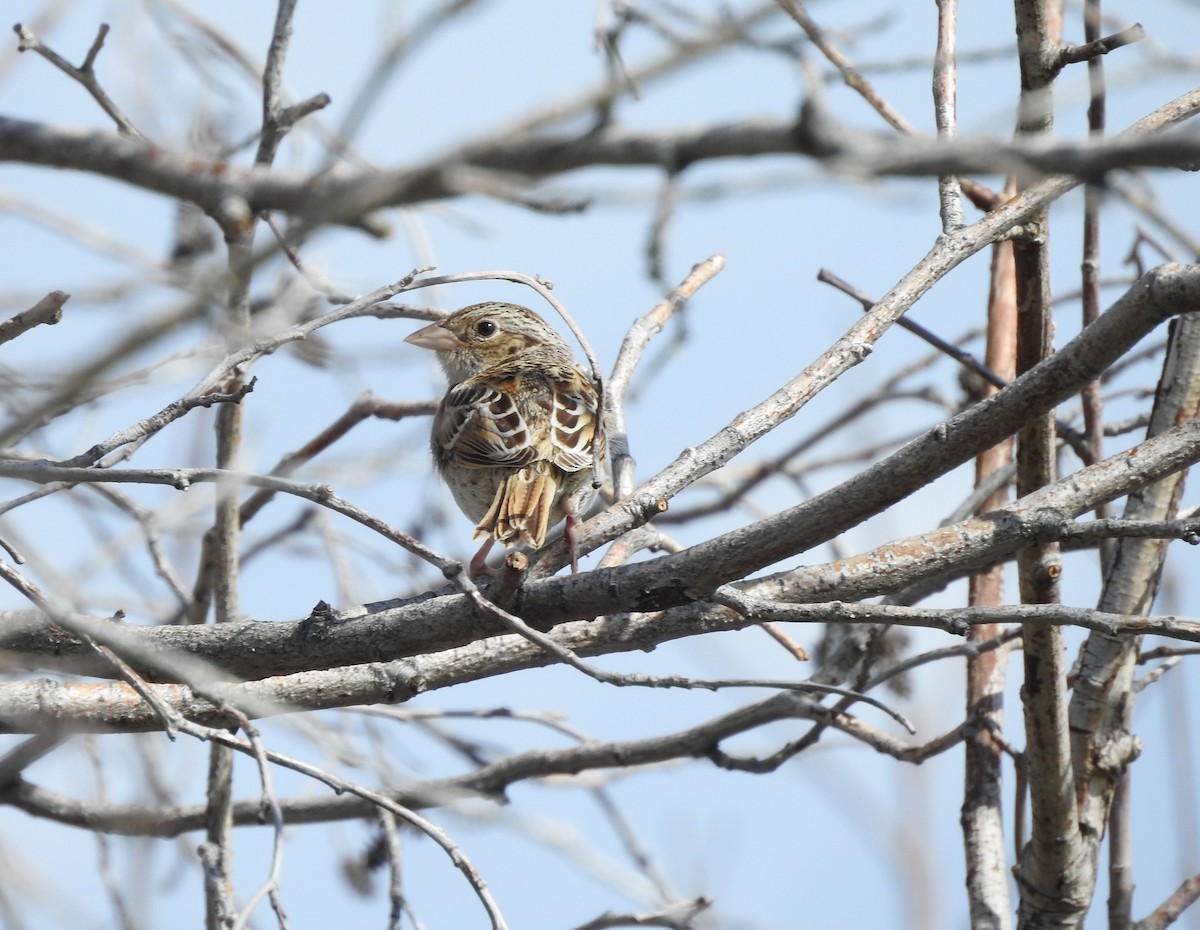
x=513 y=437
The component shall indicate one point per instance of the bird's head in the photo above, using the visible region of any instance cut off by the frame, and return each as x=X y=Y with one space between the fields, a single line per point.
x=480 y=336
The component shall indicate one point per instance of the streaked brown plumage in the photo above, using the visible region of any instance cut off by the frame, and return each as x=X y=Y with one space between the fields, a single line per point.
x=512 y=438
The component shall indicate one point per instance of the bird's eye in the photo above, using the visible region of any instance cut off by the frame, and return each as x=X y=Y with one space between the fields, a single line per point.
x=485 y=328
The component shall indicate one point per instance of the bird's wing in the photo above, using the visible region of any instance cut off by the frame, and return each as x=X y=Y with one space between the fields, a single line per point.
x=481 y=425
x=573 y=422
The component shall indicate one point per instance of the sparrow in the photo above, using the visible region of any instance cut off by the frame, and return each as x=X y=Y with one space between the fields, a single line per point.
x=513 y=436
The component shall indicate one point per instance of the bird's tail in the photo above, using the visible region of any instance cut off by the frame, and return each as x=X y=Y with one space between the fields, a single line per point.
x=521 y=508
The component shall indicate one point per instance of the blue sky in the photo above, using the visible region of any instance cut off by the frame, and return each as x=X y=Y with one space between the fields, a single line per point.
x=837 y=838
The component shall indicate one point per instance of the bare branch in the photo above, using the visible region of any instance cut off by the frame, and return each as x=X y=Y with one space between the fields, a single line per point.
x=949 y=444
x=25 y=753
x=490 y=780
x=440 y=622
x=1090 y=51
x=341 y=199
x=850 y=75
x=47 y=311
x=676 y=916
x=1187 y=894
x=84 y=74
x=633 y=345
x=945 y=93
x=794 y=537
x=152 y=424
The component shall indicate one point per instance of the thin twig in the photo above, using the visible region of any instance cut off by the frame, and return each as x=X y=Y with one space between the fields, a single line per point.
x=84 y=74
x=152 y=424
x=628 y=356
x=850 y=75
x=1095 y=48
x=636 y=679
x=27 y=752
x=674 y=916
x=270 y=802
x=1069 y=435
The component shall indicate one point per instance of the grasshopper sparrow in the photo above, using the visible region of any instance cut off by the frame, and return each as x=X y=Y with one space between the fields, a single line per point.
x=512 y=438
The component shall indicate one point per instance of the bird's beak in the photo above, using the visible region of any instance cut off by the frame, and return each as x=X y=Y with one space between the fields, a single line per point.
x=436 y=337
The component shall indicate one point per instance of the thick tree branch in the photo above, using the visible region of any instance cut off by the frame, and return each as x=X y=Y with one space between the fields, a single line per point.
x=659 y=584
x=219 y=188
x=37 y=706
x=488 y=781
x=328 y=639
x=1170 y=290
x=1103 y=697
x=982 y=813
